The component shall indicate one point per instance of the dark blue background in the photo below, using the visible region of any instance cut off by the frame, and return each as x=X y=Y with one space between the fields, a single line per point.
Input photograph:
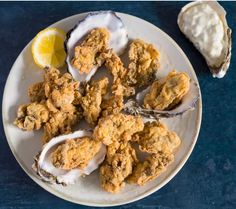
x=208 y=180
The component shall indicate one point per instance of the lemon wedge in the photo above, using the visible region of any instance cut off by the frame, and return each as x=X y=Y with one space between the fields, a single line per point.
x=48 y=48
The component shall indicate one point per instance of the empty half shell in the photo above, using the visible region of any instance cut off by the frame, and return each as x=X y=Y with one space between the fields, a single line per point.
x=47 y=170
x=204 y=24
x=188 y=102
x=118 y=38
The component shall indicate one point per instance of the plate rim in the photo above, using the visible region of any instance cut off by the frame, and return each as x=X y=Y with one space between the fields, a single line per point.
x=145 y=194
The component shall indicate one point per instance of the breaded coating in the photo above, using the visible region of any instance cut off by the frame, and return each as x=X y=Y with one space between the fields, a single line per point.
x=165 y=95
x=112 y=105
x=117 y=128
x=92 y=100
x=120 y=84
x=144 y=63
x=118 y=165
x=31 y=116
x=156 y=137
x=61 y=123
x=151 y=168
x=36 y=92
x=87 y=54
x=60 y=90
x=75 y=153
x=55 y=105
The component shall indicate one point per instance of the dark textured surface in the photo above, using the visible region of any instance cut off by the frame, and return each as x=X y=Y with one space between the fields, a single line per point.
x=208 y=179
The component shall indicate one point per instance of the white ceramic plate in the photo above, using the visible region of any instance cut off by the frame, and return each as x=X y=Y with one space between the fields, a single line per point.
x=25 y=145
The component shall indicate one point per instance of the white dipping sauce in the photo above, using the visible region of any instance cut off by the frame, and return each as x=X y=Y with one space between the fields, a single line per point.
x=205 y=29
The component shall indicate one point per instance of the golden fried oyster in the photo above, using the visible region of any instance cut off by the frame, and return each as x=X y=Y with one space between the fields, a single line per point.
x=32 y=116
x=60 y=90
x=156 y=137
x=92 y=100
x=120 y=85
x=117 y=128
x=36 y=92
x=54 y=105
x=144 y=63
x=75 y=153
x=166 y=95
x=61 y=123
x=113 y=105
x=117 y=166
x=151 y=168
x=88 y=53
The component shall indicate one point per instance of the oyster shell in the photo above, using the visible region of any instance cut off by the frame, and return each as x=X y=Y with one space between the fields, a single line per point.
x=48 y=172
x=188 y=102
x=204 y=24
x=101 y=19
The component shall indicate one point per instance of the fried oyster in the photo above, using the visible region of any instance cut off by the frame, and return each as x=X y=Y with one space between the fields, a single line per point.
x=117 y=128
x=151 y=168
x=156 y=137
x=92 y=100
x=115 y=131
x=166 y=95
x=97 y=32
x=53 y=105
x=60 y=123
x=31 y=116
x=36 y=92
x=113 y=105
x=160 y=143
x=75 y=153
x=120 y=84
x=144 y=63
x=65 y=158
x=60 y=90
x=88 y=53
x=118 y=165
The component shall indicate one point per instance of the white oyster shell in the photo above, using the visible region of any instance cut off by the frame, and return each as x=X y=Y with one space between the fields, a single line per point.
x=188 y=102
x=49 y=173
x=204 y=24
x=100 y=19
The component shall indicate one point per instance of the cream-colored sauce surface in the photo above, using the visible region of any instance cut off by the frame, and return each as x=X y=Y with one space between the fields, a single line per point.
x=205 y=29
